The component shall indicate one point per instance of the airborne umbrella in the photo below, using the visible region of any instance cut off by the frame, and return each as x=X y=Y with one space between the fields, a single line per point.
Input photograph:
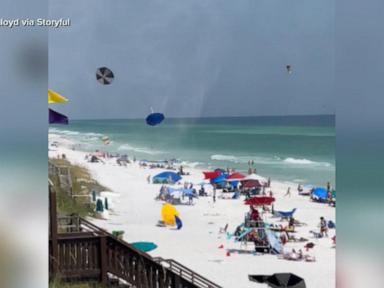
x=57 y=118
x=154 y=119
x=104 y=75
x=54 y=97
x=289 y=69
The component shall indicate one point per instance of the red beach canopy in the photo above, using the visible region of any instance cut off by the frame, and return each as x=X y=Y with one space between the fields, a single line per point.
x=260 y=200
x=251 y=183
x=211 y=174
x=236 y=175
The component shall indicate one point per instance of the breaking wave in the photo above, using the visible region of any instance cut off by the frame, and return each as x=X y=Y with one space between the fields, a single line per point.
x=304 y=161
x=269 y=161
x=144 y=150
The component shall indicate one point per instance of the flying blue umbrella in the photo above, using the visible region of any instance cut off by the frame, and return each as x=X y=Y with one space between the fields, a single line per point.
x=154 y=119
x=57 y=118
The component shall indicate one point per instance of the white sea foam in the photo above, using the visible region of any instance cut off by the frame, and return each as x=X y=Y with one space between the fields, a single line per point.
x=63 y=132
x=304 y=161
x=269 y=161
x=144 y=150
x=221 y=157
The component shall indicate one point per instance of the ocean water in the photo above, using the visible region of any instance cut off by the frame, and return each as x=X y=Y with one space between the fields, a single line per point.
x=299 y=148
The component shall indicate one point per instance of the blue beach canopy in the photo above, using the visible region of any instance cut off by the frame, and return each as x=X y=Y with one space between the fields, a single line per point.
x=144 y=246
x=154 y=119
x=320 y=193
x=165 y=176
x=219 y=179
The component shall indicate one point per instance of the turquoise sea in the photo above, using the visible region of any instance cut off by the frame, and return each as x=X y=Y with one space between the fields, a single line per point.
x=292 y=148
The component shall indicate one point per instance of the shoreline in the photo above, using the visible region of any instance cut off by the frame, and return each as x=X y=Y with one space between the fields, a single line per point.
x=136 y=212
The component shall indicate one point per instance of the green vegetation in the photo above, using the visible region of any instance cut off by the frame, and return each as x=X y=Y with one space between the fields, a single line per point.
x=77 y=200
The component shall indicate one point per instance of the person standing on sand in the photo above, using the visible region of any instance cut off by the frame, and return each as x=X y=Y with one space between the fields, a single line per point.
x=214 y=193
x=149 y=179
x=288 y=192
x=269 y=182
x=323 y=227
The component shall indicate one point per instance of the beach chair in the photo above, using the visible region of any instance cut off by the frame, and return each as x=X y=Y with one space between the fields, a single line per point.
x=285 y=214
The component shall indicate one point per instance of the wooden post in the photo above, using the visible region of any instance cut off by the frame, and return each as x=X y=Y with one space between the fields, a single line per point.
x=53 y=230
x=103 y=260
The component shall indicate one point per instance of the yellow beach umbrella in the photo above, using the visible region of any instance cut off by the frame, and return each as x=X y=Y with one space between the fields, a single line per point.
x=54 y=97
x=168 y=213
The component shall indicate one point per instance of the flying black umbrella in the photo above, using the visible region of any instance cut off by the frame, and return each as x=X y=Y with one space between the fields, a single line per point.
x=289 y=69
x=280 y=280
x=104 y=75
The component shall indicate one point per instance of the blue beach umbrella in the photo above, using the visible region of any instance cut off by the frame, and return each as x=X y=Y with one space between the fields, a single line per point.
x=165 y=176
x=154 y=119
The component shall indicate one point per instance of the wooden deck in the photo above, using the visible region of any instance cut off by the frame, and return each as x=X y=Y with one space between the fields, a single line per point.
x=83 y=252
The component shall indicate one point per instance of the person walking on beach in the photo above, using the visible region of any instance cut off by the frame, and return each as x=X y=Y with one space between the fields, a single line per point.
x=149 y=179
x=269 y=182
x=323 y=227
x=288 y=192
x=249 y=171
x=291 y=224
x=328 y=186
x=214 y=194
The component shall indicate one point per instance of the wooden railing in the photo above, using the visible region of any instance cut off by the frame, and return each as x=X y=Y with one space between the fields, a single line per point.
x=86 y=252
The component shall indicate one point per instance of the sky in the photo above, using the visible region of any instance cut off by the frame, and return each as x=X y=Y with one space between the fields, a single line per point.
x=194 y=58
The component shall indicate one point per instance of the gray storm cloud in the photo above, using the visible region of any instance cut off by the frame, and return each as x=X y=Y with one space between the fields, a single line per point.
x=194 y=58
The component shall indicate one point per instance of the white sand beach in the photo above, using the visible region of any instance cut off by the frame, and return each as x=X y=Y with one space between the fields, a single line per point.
x=135 y=210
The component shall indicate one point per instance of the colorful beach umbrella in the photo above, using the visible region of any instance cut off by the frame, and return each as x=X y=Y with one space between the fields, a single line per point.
x=154 y=119
x=57 y=118
x=168 y=213
x=259 y=201
x=104 y=75
x=54 y=97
